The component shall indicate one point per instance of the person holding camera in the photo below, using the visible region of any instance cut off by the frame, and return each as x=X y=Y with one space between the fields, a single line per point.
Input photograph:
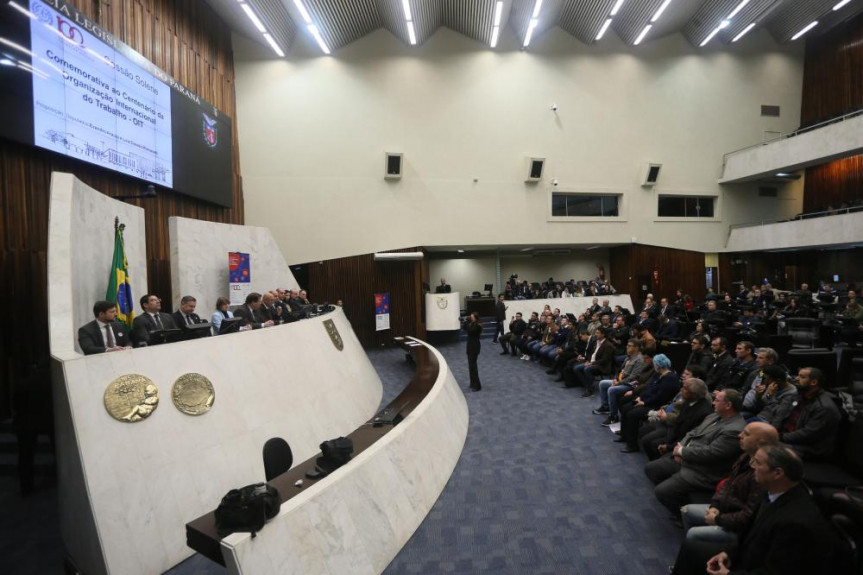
x=473 y=327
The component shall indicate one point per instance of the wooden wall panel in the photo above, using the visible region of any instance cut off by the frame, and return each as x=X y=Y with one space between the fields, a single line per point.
x=830 y=185
x=356 y=279
x=833 y=73
x=678 y=269
x=173 y=34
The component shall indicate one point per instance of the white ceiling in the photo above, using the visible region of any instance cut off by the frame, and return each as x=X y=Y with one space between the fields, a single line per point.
x=343 y=21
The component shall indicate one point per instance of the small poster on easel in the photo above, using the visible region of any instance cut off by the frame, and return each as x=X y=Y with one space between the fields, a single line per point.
x=382 y=311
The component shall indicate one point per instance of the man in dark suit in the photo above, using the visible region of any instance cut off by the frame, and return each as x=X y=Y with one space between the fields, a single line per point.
x=788 y=534
x=702 y=457
x=500 y=317
x=250 y=313
x=443 y=287
x=719 y=374
x=185 y=316
x=152 y=320
x=601 y=361
x=103 y=334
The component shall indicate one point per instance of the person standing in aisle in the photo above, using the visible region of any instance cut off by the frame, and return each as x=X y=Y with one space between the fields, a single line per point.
x=473 y=327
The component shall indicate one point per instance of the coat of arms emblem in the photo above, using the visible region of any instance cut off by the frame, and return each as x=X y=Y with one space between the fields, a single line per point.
x=333 y=332
x=442 y=302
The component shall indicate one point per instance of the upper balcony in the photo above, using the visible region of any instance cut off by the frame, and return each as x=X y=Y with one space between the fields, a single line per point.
x=840 y=227
x=824 y=142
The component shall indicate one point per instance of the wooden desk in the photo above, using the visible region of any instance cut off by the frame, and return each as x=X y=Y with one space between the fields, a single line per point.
x=201 y=533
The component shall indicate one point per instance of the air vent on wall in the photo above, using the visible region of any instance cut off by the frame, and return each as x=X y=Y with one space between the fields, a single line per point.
x=772 y=111
x=767 y=192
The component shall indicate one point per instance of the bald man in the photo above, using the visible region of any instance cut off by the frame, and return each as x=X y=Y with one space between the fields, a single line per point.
x=735 y=503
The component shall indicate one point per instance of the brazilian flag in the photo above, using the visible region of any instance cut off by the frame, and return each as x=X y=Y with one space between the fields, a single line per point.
x=119 y=287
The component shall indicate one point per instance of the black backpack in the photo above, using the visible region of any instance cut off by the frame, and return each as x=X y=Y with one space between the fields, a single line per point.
x=245 y=510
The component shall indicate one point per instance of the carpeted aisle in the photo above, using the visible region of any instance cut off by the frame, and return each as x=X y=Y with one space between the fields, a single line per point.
x=540 y=486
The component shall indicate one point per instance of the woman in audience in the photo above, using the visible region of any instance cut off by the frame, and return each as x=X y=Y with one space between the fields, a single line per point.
x=221 y=313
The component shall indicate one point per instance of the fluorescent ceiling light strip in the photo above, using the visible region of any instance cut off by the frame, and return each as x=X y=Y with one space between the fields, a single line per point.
x=603 y=29
x=406 y=6
x=530 y=28
x=803 y=31
x=33 y=16
x=498 y=13
x=745 y=31
x=536 y=9
x=313 y=30
x=837 y=7
x=616 y=8
x=253 y=17
x=642 y=35
x=710 y=36
x=412 y=34
x=18 y=47
x=494 y=33
x=274 y=46
x=303 y=12
x=738 y=9
x=660 y=11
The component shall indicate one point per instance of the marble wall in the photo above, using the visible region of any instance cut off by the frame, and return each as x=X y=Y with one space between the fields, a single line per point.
x=359 y=518
x=142 y=482
x=199 y=260
x=80 y=255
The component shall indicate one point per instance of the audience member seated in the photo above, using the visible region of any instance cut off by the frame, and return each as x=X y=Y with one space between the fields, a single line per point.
x=700 y=355
x=567 y=351
x=743 y=364
x=702 y=457
x=632 y=366
x=251 y=313
x=737 y=498
x=788 y=534
x=775 y=397
x=719 y=374
x=658 y=391
x=648 y=342
x=532 y=332
x=853 y=309
x=152 y=320
x=513 y=337
x=295 y=302
x=550 y=354
x=222 y=312
x=600 y=362
x=105 y=333
x=700 y=330
x=810 y=427
x=765 y=357
x=186 y=316
x=670 y=426
x=668 y=330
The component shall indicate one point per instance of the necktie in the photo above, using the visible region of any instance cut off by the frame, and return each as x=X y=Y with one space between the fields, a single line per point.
x=109 y=336
x=188 y=320
x=158 y=321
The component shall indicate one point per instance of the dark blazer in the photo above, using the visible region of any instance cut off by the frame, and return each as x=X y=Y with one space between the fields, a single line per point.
x=180 y=320
x=719 y=375
x=446 y=288
x=90 y=337
x=689 y=418
x=710 y=449
x=474 y=330
x=788 y=536
x=604 y=357
x=250 y=316
x=670 y=330
x=144 y=324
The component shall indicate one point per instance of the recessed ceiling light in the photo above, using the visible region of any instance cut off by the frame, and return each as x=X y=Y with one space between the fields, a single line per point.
x=804 y=30
x=660 y=11
x=603 y=29
x=643 y=34
x=744 y=32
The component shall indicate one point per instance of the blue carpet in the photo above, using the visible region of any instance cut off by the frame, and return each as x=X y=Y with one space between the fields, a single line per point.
x=539 y=488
